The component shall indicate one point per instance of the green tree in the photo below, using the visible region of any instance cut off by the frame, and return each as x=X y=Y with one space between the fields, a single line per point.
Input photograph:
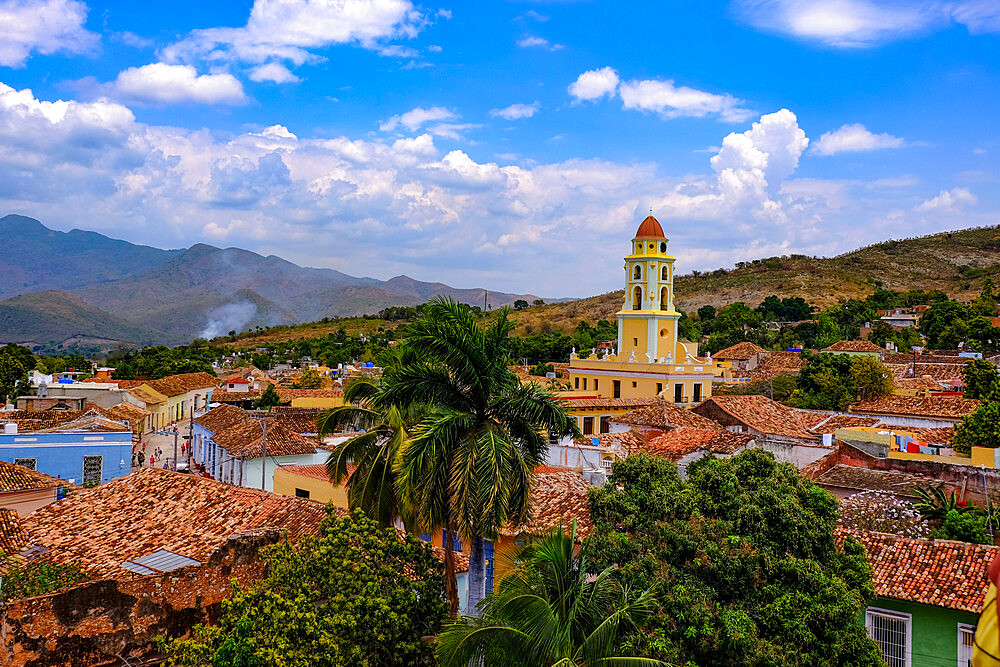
x=520 y=304
x=826 y=383
x=356 y=594
x=943 y=323
x=470 y=463
x=870 y=377
x=981 y=377
x=538 y=302
x=13 y=378
x=979 y=429
x=268 y=399
x=541 y=368
x=743 y=555
x=962 y=526
x=706 y=313
x=550 y=611
x=309 y=379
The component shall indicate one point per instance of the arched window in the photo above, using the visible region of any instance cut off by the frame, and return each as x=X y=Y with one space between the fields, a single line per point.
x=637 y=273
x=664 y=273
x=663 y=248
x=663 y=299
x=637 y=298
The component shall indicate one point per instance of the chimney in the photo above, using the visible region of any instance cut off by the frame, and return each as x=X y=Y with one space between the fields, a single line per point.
x=10 y=428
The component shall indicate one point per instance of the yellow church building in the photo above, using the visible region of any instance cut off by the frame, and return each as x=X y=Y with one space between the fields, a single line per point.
x=651 y=359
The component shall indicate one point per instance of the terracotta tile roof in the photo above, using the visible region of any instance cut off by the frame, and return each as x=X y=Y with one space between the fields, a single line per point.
x=860 y=479
x=941 y=573
x=128 y=412
x=314 y=471
x=90 y=420
x=831 y=423
x=680 y=442
x=220 y=396
x=32 y=420
x=18 y=478
x=147 y=395
x=239 y=434
x=763 y=415
x=626 y=441
x=174 y=385
x=288 y=393
x=777 y=363
x=603 y=402
x=300 y=420
x=152 y=509
x=559 y=496
x=12 y=536
x=936 y=407
x=664 y=414
x=920 y=383
x=122 y=384
x=854 y=346
x=743 y=350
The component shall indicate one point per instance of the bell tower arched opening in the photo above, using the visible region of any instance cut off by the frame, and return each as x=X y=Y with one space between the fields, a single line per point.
x=637 y=298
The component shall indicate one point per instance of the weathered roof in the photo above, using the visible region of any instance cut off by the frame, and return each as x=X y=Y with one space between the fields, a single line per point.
x=680 y=442
x=33 y=420
x=854 y=346
x=664 y=414
x=18 y=478
x=942 y=573
x=313 y=470
x=221 y=396
x=650 y=229
x=743 y=350
x=558 y=497
x=605 y=402
x=241 y=435
x=12 y=536
x=833 y=422
x=777 y=363
x=128 y=412
x=762 y=415
x=300 y=420
x=152 y=509
x=147 y=394
x=173 y=385
x=939 y=407
x=288 y=393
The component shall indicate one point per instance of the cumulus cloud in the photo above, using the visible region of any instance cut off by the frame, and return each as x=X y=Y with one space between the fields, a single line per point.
x=42 y=26
x=160 y=83
x=660 y=96
x=948 y=201
x=515 y=111
x=671 y=101
x=861 y=23
x=273 y=72
x=535 y=42
x=594 y=84
x=447 y=215
x=413 y=119
x=292 y=29
x=852 y=139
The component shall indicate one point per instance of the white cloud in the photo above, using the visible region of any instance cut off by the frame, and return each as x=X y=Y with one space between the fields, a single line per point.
x=414 y=118
x=948 y=201
x=594 y=84
x=451 y=216
x=861 y=23
x=854 y=138
x=535 y=42
x=398 y=51
x=659 y=96
x=292 y=29
x=43 y=26
x=671 y=101
x=515 y=111
x=160 y=83
x=273 y=72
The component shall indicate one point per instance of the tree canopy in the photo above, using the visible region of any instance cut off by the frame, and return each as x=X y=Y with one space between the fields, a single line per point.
x=356 y=594
x=744 y=560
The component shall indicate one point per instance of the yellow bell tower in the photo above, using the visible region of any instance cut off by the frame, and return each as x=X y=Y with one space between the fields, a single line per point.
x=647 y=322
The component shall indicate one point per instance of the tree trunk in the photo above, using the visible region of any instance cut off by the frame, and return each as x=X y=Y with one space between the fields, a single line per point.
x=450 y=582
x=477 y=574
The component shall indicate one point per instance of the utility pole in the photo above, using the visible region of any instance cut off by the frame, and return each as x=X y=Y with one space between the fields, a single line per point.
x=263 y=457
x=175 y=448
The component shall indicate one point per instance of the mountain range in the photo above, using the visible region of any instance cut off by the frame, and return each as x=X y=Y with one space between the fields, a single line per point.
x=84 y=289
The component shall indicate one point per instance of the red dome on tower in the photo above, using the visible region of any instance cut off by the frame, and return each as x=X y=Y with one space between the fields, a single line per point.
x=650 y=229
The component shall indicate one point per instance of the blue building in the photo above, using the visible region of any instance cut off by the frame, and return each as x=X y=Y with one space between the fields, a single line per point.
x=89 y=450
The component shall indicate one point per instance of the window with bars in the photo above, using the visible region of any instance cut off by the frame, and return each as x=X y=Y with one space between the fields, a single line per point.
x=92 y=468
x=30 y=464
x=891 y=631
x=966 y=634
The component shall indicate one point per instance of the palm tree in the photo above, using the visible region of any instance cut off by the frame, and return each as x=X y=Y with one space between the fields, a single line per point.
x=469 y=465
x=550 y=612
x=934 y=503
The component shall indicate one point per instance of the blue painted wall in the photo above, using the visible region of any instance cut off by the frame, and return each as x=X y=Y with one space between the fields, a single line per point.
x=61 y=454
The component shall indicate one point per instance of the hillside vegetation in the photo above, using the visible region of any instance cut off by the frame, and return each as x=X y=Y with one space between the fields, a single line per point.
x=954 y=262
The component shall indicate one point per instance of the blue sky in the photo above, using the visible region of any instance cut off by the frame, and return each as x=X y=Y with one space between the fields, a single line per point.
x=515 y=145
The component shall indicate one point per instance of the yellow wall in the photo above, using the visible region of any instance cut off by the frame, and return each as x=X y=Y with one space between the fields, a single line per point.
x=323 y=491
x=313 y=402
x=642 y=387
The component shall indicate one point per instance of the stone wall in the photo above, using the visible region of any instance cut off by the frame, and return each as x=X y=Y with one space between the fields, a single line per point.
x=109 y=621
